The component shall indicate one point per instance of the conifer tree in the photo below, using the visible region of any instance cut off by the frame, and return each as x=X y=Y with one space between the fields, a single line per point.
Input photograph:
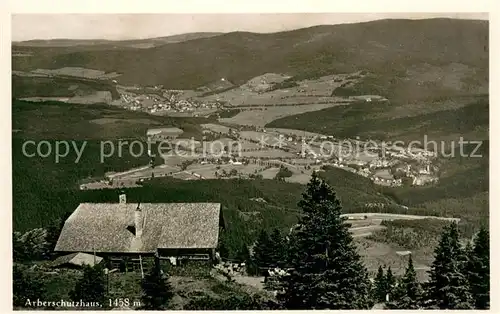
x=222 y=246
x=448 y=285
x=326 y=270
x=53 y=232
x=92 y=286
x=479 y=269
x=262 y=253
x=379 y=286
x=390 y=282
x=407 y=294
x=278 y=248
x=156 y=290
x=243 y=255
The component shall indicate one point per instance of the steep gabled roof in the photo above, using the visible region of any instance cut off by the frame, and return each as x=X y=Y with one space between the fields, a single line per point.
x=103 y=227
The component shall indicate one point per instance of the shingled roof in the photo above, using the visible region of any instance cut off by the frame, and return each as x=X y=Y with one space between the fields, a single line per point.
x=105 y=227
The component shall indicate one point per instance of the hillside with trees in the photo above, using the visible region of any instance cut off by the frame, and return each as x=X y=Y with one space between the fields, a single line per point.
x=386 y=47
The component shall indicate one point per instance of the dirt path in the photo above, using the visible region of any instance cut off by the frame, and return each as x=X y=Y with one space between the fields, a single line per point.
x=389 y=216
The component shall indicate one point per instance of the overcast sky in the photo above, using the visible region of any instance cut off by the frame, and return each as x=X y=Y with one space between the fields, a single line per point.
x=132 y=26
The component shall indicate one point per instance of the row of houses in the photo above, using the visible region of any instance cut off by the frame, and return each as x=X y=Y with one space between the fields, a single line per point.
x=387 y=181
x=168 y=102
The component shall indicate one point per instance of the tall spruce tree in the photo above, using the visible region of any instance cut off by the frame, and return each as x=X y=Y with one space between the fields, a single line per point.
x=448 y=287
x=380 y=288
x=326 y=270
x=156 y=290
x=92 y=285
x=243 y=254
x=390 y=282
x=278 y=248
x=53 y=232
x=262 y=252
x=407 y=294
x=479 y=269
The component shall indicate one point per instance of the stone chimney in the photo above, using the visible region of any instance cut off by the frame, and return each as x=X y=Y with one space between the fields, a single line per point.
x=138 y=221
x=123 y=198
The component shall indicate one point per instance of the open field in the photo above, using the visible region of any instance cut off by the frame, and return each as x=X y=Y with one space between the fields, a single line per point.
x=315 y=91
x=67 y=87
x=270 y=173
x=217 y=128
x=98 y=97
x=268 y=153
x=292 y=132
x=77 y=72
x=377 y=254
x=298 y=177
x=265 y=82
x=208 y=171
x=200 y=171
x=268 y=114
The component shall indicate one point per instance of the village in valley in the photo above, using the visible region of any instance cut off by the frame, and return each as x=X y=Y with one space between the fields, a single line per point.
x=262 y=153
x=234 y=149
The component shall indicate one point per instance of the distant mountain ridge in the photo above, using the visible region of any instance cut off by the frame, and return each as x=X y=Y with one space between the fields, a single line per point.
x=155 y=41
x=385 y=47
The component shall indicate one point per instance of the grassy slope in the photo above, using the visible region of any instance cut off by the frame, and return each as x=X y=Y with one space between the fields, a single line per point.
x=385 y=121
x=388 y=47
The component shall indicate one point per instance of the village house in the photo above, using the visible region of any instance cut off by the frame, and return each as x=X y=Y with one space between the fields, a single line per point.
x=171 y=231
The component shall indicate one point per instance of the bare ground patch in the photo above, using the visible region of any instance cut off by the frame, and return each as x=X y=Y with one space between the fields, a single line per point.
x=377 y=254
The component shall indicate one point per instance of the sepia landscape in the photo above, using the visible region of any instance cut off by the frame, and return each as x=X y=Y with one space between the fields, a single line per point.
x=336 y=166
